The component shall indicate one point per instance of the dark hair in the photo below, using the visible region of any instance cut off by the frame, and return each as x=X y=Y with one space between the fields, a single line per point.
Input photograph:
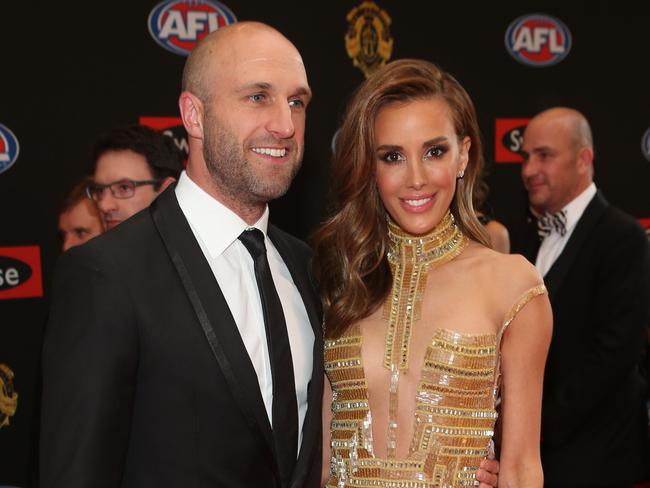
x=160 y=151
x=350 y=247
x=76 y=195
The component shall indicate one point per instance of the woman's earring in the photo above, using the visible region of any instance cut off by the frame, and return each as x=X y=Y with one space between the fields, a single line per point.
x=461 y=174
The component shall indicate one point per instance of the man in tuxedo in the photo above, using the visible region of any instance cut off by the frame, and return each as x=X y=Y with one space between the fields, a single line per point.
x=163 y=364
x=595 y=263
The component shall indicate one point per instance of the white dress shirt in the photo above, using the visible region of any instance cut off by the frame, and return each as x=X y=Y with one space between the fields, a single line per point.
x=217 y=229
x=553 y=244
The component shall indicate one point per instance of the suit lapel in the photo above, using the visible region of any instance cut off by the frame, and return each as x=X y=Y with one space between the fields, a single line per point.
x=311 y=428
x=584 y=227
x=212 y=312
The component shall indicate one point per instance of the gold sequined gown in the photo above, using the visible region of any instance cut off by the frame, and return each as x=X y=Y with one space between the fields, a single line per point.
x=458 y=384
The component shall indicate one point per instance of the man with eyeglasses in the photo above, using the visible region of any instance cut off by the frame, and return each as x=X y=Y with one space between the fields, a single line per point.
x=133 y=165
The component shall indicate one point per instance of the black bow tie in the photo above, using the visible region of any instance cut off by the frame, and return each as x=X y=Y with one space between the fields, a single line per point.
x=548 y=223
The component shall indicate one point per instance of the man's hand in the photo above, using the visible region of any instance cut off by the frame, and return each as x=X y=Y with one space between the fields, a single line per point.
x=487 y=474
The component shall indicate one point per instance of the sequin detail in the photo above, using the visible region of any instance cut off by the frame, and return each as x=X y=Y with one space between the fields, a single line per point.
x=454 y=416
x=410 y=259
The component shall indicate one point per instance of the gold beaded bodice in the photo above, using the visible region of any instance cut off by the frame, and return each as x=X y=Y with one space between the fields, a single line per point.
x=455 y=412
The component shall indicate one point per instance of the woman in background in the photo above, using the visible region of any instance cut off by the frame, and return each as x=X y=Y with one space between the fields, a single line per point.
x=497 y=232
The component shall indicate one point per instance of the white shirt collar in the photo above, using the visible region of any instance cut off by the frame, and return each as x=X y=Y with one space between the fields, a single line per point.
x=576 y=207
x=214 y=223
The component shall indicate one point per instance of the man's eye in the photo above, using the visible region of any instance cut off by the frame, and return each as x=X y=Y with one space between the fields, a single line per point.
x=258 y=97
x=296 y=103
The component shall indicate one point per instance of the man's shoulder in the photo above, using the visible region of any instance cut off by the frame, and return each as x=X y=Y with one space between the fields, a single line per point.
x=131 y=240
x=616 y=223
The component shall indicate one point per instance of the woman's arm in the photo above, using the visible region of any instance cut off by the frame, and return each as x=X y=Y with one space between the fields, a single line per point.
x=523 y=355
x=327 y=418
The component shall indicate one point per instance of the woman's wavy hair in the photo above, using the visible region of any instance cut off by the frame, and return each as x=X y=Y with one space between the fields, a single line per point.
x=351 y=245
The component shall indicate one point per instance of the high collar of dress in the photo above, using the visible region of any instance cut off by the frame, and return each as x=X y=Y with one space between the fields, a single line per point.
x=443 y=243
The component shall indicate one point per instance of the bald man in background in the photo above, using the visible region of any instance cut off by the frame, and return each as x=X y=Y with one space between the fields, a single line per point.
x=595 y=263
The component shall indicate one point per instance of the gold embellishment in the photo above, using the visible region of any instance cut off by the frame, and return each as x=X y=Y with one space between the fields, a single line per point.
x=368 y=41
x=410 y=259
x=8 y=397
x=454 y=413
x=523 y=300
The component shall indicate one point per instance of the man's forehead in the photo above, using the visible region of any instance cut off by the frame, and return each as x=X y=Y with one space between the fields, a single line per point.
x=116 y=165
x=266 y=68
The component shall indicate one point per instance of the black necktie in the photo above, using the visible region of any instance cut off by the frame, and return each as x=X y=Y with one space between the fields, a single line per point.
x=285 y=408
x=548 y=223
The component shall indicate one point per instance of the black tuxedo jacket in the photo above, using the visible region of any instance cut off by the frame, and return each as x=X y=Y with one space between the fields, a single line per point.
x=147 y=382
x=594 y=423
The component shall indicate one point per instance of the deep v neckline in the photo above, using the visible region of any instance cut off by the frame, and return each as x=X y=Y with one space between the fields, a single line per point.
x=448 y=339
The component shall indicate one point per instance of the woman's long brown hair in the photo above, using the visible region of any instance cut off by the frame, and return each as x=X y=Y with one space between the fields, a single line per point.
x=350 y=247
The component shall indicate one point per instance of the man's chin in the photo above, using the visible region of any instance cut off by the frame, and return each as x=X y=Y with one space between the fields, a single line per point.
x=109 y=224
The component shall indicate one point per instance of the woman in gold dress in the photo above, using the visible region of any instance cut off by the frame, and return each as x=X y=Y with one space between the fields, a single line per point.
x=427 y=329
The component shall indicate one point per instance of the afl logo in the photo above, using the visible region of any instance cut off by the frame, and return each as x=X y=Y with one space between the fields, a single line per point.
x=9 y=148
x=177 y=25
x=538 y=40
x=645 y=144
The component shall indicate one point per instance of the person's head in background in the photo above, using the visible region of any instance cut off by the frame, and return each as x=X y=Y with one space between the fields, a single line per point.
x=558 y=158
x=132 y=165
x=79 y=219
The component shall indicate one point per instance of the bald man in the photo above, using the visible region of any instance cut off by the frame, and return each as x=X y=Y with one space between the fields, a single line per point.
x=595 y=263
x=168 y=359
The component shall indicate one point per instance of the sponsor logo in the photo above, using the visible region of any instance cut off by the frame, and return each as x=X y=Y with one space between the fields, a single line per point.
x=8 y=396
x=9 y=148
x=645 y=144
x=538 y=40
x=177 y=25
x=508 y=139
x=20 y=272
x=368 y=41
x=172 y=127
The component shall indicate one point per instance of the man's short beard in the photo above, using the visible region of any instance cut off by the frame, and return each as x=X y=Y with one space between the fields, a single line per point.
x=233 y=174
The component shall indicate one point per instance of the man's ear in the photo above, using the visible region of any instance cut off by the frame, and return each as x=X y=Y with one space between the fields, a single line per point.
x=585 y=159
x=191 y=109
x=165 y=183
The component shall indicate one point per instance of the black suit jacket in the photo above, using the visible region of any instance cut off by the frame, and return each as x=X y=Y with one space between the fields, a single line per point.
x=147 y=382
x=594 y=423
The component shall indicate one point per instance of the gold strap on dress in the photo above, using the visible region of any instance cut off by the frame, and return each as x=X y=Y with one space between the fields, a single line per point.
x=521 y=303
x=526 y=297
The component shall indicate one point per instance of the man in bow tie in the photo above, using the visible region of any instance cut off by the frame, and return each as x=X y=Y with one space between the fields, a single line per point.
x=595 y=261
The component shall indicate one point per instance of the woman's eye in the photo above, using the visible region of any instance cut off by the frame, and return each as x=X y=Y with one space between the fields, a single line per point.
x=392 y=157
x=435 y=152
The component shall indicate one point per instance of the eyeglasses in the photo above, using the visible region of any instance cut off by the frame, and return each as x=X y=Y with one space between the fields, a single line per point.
x=119 y=189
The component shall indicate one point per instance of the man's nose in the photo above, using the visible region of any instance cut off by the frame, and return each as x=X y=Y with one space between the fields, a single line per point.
x=280 y=122
x=106 y=201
